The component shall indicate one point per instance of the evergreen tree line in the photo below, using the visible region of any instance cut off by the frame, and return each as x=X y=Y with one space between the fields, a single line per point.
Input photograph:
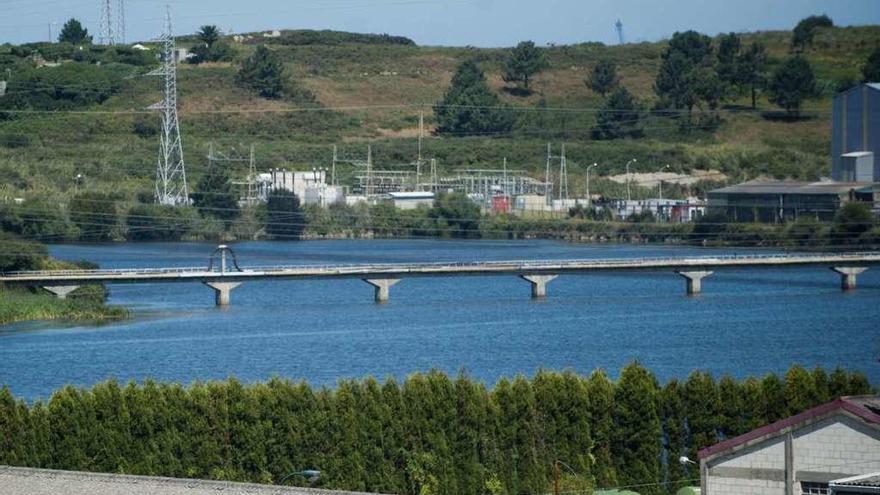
x=430 y=434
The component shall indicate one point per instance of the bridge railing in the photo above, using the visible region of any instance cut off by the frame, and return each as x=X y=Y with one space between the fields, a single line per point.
x=402 y=267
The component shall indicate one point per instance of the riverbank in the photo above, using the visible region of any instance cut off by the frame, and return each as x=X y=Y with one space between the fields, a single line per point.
x=20 y=305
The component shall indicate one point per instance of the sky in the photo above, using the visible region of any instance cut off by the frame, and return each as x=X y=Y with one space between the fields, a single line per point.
x=484 y=23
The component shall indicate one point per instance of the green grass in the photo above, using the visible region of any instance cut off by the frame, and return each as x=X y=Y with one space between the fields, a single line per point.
x=18 y=305
x=326 y=78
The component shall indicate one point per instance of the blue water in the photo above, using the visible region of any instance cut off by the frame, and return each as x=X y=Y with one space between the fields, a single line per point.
x=747 y=322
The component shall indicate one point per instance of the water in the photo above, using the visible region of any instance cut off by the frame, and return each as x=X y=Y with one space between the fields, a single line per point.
x=747 y=322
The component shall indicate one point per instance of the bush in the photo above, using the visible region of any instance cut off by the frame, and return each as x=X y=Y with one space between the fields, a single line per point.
x=20 y=255
x=14 y=141
x=152 y=222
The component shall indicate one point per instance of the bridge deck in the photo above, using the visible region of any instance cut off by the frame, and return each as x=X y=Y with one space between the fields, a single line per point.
x=396 y=270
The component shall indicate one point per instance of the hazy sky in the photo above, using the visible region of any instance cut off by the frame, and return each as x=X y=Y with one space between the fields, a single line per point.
x=443 y=22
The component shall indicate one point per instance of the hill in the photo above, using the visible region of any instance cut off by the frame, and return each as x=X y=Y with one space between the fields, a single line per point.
x=86 y=116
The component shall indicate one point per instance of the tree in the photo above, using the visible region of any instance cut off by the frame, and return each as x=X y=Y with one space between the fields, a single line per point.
x=751 y=68
x=214 y=196
x=601 y=392
x=95 y=215
x=850 y=222
x=469 y=106
x=729 y=56
x=456 y=215
x=619 y=117
x=74 y=33
x=871 y=69
x=603 y=78
x=285 y=218
x=677 y=78
x=211 y=47
x=522 y=63
x=803 y=34
x=637 y=429
x=262 y=72
x=792 y=83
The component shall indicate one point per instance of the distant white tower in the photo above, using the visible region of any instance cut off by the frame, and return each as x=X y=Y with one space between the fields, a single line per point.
x=171 y=188
x=619 y=26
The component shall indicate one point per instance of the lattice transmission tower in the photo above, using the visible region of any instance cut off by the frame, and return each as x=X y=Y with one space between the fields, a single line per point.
x=112 y=26
x=171 y=188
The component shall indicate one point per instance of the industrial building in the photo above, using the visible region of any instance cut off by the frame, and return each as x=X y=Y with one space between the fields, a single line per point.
x=781 y=201
x=311 y=187
x=855 y=135
x=866 y=484
x=803 y=454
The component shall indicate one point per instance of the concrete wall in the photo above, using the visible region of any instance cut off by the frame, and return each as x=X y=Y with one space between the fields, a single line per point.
x=836 y=448
x=833 y=448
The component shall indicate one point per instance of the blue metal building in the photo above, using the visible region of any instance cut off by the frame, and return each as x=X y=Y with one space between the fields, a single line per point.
x=856 y=128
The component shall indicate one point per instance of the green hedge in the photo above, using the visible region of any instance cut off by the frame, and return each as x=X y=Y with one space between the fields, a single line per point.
x=430 y=434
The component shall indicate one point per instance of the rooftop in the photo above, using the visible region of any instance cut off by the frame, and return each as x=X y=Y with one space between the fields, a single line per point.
x=26 y=481
x=864 y=407
x=869 y=481
x=790 y=187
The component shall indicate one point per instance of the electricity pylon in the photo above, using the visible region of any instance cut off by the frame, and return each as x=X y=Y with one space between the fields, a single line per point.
x=171 y=188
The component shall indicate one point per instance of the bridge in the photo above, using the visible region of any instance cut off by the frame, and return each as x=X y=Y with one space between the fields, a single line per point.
x=223 y=278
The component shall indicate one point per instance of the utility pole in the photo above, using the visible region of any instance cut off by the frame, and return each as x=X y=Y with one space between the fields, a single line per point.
x=547 y=175
x=563 y=176
x=590 y=198
x=369 y=171
x=419 y=159
x=171 y=188
x=251 y=199
x=333 y=167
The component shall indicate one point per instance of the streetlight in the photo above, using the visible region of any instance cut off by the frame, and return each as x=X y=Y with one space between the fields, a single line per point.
x=311 y=475
x=628 y=194
x=660 y=193
x=76 y=181
x=590 y=198
x=684 y=460
x=660 y=180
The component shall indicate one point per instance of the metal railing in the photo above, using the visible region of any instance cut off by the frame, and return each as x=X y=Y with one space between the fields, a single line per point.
x=122 y=273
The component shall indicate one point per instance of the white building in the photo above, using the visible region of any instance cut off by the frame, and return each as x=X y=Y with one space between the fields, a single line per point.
x=310 y=187
x=410 y=200
x=798 y=455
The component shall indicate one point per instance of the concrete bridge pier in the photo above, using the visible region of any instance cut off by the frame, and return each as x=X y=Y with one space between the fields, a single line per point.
x=61 y=291
x=222 y=291
x=848 y=275
x=539 y=284
x=694 y=280
x=383 y=287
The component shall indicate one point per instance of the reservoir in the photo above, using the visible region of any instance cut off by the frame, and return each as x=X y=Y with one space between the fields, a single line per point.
x=746 y=322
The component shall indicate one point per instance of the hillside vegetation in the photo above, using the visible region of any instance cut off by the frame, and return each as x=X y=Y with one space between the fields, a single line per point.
x=87 y=117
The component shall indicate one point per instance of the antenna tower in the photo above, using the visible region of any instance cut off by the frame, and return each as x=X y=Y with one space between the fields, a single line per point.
x=171 y=186
x=619 y=26
x=112 y=25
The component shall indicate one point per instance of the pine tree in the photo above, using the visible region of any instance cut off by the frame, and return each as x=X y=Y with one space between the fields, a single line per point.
x=729 y=57
x=285 y=218
x=73 y=32
x=637 y=432
x=263 y=72
x=800 y=391
x=469 y=105
x=732 y=407
x=703 y=406
x=603 y=78
x=773 y=401
x=792 y=84
x=523 y=63
x=871 y=69
x=214 y=195
x=674 y=433
x=619 y=117
x=601 y=398
x=751 y=65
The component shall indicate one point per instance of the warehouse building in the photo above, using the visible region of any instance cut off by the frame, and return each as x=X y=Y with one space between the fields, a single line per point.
x=800 y=455
x=855 y=134
x=780 y=201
